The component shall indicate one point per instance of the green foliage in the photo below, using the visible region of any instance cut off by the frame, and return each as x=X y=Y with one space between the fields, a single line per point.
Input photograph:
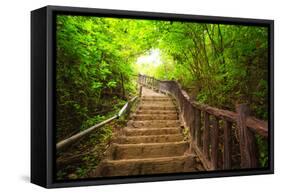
x=226 y=64
x=263 y=151
x=95 y=64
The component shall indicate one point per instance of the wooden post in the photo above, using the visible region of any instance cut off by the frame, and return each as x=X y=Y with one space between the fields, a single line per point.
x=206 y=135
x=227 y=144
x=140 y=92
x=156 y=85
x=192 y=122
x=215 y=143
x=246 y=137
x=198 y=127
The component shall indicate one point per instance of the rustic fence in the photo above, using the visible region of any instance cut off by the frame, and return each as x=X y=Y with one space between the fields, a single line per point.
x=212 y=130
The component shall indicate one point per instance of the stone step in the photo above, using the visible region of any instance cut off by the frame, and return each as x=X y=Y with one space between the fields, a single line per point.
x=152 y=142
x=153 y=107
x=154 y=124
x=157 y=103
x=178 y=164
x=149 y=139
x=156 y=99
x=142 y=117
x=151 y=131
x=158 y=112
x=149 y=150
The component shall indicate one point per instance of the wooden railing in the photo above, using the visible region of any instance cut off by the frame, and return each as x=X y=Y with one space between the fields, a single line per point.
x=215 y=133
x=73 y=139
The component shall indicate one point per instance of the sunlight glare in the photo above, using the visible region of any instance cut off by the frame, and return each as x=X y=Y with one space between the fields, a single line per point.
x=153 y=58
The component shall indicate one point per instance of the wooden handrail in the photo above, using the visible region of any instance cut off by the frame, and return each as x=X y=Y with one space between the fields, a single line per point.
x=62 y=144
x=205 y=132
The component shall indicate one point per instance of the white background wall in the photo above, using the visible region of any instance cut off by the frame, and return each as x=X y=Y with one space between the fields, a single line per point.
x=15 y=94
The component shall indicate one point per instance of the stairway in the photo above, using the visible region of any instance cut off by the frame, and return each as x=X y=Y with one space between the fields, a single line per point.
x=152 y=142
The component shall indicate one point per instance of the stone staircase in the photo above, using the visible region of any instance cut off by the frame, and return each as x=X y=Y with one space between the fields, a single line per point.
x=152 y=142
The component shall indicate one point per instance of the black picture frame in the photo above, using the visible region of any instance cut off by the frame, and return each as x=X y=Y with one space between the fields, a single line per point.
x=43 y=48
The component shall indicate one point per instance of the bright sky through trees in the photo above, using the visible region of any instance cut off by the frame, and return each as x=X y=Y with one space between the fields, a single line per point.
x=149 y=61
x=153 y=58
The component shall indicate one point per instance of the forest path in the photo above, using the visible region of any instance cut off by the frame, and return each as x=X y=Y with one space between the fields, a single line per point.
x=152 y=142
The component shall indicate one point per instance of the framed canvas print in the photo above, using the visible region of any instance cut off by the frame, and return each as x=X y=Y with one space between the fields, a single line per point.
x=125 y=96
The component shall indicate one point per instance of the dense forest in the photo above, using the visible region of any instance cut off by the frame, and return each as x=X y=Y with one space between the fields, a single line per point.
x=98 y=60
